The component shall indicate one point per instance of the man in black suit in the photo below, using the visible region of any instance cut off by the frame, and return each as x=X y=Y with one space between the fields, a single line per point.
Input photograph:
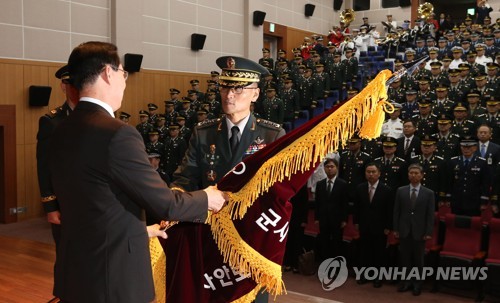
x=46 y=126
x=413 y=224
x=409 y=144
x=103 y=179
x=373 y=218
x=331 y=210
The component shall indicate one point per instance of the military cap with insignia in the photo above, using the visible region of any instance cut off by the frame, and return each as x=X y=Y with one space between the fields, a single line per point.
x=153 y=132
x=446 y=59
x=471 y=54
x=143 y=113
x=480 y=76
x=425 y=102
x=354 y=139
x=192 y=92
x=389 y=142
x=411 y=92
x=492 y=65
x=281 y=51
x=443 y=119
x=160 y=117
x=441 y=88
x=473 y=93
x=423 y=80
x=179 y=118
x=154 y=154
x=214 y=73
x=433 y=50
x=174 y=91
x=194 y=82
x=442 y=39
x=202 y=112
x=460 y=107
x=174 y=126
x=124 y=115
x=185 y=100
x=238 y=71
x=397 y=106
x=436 y=64
x=465 y=41
x=265 y=50
x=169 y=103
x=463 y=66
x=63 y=74
x=211 y=82
x=492 y=102
x=428 y=140
x=457 y=49
x=152 y=106
x=468 y=141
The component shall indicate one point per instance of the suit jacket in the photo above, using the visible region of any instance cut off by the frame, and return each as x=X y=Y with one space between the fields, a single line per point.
x=413 y=149
x=331 y=208
x=419 y=221
x=375 y=216
x=209 y=155
x=102 y=176
x=492 y=152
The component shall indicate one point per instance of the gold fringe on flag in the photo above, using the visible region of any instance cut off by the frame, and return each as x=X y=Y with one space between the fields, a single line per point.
x=331 y=133
x=158 y=265
x=368 y=106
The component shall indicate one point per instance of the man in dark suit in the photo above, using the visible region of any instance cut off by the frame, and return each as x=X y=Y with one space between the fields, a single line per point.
x=373 y=218
x=103 y=179
x=215 y=147
x=413 y=223
x=487 y=149
x=331 y=210
x=409 y=144
x=46 y=126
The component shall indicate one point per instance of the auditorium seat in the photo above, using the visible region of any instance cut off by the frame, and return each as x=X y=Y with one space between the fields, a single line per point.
x=386 y=65
x=379 y=58
x=363 y=54
x=319 y=109
x=462 y=248
x=371 y=48
x=365 y=59
x=303 y=118
x=492 y=285
x=287 y=126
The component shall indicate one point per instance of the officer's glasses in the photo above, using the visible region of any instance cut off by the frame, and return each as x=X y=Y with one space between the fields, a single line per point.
x=235 y=90
x=125 y=73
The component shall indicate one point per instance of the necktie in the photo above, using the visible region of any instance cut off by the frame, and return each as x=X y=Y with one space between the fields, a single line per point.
x=426 y=163
x=329 y=188
x=371 y=191
x=466 y=162
x=407 y=145
x=413 y=197
x=233 y=141
x=483 y=150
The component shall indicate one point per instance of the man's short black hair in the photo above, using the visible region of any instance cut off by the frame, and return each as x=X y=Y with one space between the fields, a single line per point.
x=331 y=160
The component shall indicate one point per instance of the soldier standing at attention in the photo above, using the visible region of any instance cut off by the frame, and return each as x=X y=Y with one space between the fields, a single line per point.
x=46 y=126
x=144 y=127
x=273 y=107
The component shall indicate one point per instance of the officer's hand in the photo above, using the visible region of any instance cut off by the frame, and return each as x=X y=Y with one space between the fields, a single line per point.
x=155 y=231
x=54 y=217
x=216 y=198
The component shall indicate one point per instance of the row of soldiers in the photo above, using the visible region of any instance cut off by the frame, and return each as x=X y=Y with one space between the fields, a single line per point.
x=467 y=182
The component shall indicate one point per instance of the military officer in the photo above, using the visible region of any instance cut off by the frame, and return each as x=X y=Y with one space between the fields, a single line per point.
x=393 y=127
x=456 y=89
x=461 y=125
x=336 y=70
x=352 y=165
x=322 y=81
x=396 y=92
x=154 y=143
x=475 y=112
x=351 y=66
x=493 y=119
x=175 y=98
x=266 y=56
x=291 y=100
x=410 y=107
x=434 y=168
x=485 y=92
x=442 y=104
x=170 y=112
x=273 y=109
x=184 y=131
x=152 y=108
x=174 y=149
x=144 y=127
x=470 y=180
x=46 y=125
x=447 y=142
x=437 y=77
x=465 y=75
x=307 y=90
x=162 y=128
x=217 y=145
x=424 y=90
x=392 y=168
x=195 y=86
x=125 y=117
x=425 y=121
x=187 y=112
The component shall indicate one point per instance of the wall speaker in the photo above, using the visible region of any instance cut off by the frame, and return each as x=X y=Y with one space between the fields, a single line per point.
x=133 y=63
x=197 y=41
x=309 y=9
x=258 y=18
x=404 y=3
x=337 y=4
x=39 y=95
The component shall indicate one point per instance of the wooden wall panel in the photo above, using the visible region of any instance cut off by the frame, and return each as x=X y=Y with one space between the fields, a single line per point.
x=17 y=75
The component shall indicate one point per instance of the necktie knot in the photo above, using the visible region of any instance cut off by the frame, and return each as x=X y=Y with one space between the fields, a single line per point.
x=329 y=188
x=234 y=140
